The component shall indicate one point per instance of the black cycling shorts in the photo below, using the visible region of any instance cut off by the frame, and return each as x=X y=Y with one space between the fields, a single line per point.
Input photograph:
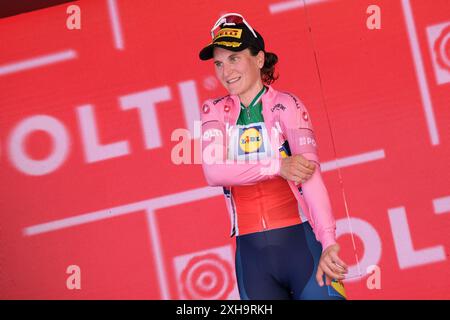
x=282 y=264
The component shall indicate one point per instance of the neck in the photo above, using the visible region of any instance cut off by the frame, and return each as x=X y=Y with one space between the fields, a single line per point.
x=247 y=96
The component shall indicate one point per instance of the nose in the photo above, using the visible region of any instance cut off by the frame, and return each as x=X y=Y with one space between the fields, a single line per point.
x=226 y=70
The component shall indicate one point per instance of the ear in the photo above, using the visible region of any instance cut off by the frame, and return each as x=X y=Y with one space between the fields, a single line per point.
x=260 y=59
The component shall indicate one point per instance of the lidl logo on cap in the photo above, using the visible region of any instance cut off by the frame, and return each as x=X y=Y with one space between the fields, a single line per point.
x=250 y=140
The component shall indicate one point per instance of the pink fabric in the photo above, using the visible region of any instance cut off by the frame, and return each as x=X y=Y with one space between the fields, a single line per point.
x=284 y=112
x=221 y=172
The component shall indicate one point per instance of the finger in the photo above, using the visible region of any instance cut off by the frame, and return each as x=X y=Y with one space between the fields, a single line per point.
x=306 y=166
x=296 y=174
x=340 y=269
x=338 y=261
x=340 y=265
x=299 y=174
x=302 y=160
x=319 y=276
x=333 y=266
x=328 y=280
x=297 y=168
x=330 y=273
x=311 y=165
x=303 y=171
x=295 y=178
x=336 y=268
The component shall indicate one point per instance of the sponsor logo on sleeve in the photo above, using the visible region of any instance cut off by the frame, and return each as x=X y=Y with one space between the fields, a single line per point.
x=278 y=106
x=208 y=134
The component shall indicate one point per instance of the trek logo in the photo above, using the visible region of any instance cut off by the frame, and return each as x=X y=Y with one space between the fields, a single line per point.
x=250 y=140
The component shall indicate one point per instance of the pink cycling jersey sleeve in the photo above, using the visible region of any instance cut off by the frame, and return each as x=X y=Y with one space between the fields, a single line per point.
x=316 y=196
x=297 y=125
x=217 y=169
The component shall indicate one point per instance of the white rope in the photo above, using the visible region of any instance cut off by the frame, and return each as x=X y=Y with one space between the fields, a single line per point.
x=341 y=183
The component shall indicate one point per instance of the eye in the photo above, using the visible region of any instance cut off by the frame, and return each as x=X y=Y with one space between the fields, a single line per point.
x=218 y=64
x=234 y=58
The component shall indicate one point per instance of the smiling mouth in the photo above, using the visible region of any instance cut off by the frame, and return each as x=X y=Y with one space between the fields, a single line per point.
x=233 y=80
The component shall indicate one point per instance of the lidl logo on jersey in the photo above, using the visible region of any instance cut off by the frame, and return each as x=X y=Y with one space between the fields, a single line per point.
x=250 y=140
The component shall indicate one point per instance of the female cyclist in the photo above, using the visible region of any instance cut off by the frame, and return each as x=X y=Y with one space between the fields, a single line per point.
x=258 y=144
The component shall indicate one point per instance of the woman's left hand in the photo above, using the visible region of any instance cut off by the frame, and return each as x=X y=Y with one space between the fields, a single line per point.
x=331 y=265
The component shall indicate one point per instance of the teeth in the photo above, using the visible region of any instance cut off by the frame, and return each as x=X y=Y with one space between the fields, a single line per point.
x=233 y=80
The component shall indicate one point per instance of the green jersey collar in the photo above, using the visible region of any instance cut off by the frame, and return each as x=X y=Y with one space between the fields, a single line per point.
x=256 y=99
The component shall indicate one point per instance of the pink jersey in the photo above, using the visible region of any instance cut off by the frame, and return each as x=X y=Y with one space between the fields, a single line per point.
x=285 y=118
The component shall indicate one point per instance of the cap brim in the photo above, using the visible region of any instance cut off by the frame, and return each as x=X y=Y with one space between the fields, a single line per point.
x=207 y=52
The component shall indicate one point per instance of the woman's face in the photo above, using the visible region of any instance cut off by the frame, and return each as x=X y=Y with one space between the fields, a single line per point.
x=239 y=71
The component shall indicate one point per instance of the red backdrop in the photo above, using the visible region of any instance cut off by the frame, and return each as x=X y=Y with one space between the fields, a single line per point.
x=87 y=116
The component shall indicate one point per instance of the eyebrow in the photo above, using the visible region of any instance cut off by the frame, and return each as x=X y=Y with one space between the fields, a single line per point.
x=230 y=56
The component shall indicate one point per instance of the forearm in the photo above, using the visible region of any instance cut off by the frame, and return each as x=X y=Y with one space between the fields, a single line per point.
x=298 y=129
x=221 y=171
x=316 y=195
x=231 y=173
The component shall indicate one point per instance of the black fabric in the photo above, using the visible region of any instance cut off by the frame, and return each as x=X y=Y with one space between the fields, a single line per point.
x=246 y=39
x=281 y=264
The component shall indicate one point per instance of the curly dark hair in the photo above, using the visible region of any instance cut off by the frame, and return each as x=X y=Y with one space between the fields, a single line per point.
x=268 y=69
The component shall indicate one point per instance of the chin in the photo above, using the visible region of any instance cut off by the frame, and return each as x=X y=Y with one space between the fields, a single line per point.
x=234 y=91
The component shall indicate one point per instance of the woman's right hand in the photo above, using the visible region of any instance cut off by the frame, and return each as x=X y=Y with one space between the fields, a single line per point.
x=297 y=168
